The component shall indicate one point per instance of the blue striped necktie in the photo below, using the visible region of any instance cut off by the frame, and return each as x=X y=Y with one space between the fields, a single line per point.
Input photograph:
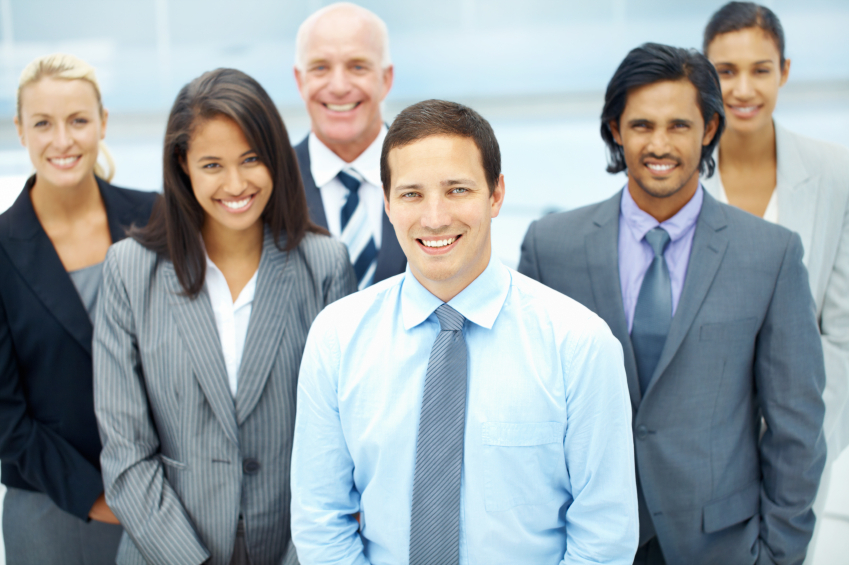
x=356 y=232
x=435 y=517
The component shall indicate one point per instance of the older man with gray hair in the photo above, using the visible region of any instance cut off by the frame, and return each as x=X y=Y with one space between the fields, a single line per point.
x=343 y=71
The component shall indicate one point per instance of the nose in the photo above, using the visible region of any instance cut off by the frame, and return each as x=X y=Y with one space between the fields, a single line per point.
x=743 y=87
x=659 y=142
x=62 y=137
x=436 y=214
x=236 y=183
x=339 y=84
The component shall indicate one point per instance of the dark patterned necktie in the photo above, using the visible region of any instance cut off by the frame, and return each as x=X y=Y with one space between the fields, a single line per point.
x=435 y=517
x=356 y=232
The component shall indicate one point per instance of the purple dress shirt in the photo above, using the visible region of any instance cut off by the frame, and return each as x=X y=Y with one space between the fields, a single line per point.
x=635 y=254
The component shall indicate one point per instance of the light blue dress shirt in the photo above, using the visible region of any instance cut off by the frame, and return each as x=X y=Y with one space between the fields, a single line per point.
x=548 y=468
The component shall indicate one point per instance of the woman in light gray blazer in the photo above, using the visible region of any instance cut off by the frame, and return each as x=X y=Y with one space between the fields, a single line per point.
x=789 y=179
x=201 y=325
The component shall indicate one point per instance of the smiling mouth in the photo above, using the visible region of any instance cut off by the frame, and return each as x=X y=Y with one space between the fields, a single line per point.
x=238 y=205
x=341 y=107
x=661 y=168
x=744 y=110
x=64 y=162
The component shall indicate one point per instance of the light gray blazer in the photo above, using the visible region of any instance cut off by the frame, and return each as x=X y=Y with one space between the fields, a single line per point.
x=813 y=201
x=743 y=344
x=181 y=457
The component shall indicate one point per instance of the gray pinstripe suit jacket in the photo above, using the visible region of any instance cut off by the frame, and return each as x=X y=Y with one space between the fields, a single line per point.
x=181 y=457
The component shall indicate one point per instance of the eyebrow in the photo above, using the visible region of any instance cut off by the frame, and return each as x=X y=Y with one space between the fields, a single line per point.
x=211 y=158
x=455 y=182
x=761 y=62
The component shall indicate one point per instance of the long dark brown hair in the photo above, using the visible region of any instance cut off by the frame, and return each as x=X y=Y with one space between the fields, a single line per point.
x=174 y=227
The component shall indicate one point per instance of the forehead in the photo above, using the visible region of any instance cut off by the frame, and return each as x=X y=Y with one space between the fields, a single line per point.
x=435 y=158
x=217 y=135
x=664 y=100
x=50 y=95
x=343 y=35
x=743 y=46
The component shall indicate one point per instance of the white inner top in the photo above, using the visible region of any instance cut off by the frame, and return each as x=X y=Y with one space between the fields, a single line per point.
x=771 y=212
x=231 y=318
x=325 y=165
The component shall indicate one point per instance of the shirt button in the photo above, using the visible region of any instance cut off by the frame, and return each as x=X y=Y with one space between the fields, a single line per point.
x=250 y=466
x=642 y=432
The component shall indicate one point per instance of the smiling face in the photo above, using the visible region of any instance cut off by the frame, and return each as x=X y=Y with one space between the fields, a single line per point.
x=342 y=81
x=228 y=180
x=750 y=73
x=662 y=133
x=442 y=209
x=61 y=127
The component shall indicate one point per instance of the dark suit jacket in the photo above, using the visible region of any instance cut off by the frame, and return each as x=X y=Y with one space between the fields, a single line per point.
x=48 y=433
x=743 y=345
x=390 y=258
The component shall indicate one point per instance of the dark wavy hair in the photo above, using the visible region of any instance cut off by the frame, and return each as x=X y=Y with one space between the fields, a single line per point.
x=174 y=227
x=651 y=63
x=735 y=16
x=439 y=117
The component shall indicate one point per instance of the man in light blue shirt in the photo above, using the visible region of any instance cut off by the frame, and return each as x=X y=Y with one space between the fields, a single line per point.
x=542 y=471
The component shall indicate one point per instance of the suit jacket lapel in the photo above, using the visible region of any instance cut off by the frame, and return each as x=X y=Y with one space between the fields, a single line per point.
x=796 y=190
x=313 y=194
x=196 y=321
x=267 y=325
x=602 y=249
x=709 y=244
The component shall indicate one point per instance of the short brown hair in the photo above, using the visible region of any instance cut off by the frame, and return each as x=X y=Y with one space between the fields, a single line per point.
x=438 y=117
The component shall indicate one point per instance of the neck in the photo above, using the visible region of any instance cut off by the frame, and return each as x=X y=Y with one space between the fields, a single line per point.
x=53 y=203
x=663 y=208
x=743 y=149
x=348 y=151
x=231 y=246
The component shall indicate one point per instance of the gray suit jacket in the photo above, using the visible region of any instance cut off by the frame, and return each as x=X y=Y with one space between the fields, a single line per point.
x=181 y=457
x=743 y=344
x=813 y=201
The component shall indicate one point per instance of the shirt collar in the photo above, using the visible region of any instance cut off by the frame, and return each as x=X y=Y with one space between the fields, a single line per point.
x=640 y=222
x=480 y=302
x=325 y=164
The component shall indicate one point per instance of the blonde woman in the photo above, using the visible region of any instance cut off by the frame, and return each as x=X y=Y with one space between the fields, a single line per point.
x=52 y=242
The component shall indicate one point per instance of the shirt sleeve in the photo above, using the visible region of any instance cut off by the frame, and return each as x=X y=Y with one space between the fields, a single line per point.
x=602 y=524
x=324 y=498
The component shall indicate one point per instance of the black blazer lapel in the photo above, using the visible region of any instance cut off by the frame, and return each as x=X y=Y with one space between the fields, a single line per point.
x=602 y=249
x=196 y=321
x=267 y=325
x=709 y=244
x=34 y=257
x=313 y=194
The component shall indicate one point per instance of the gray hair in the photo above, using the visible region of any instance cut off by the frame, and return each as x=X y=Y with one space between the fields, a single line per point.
x=309 y=23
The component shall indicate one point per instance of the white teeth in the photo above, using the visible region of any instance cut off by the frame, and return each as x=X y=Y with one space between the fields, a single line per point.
x=439 y=242
x=342 y=107
x=64 y=161
x=659 y=167
x=745 y=109
x=237 y=204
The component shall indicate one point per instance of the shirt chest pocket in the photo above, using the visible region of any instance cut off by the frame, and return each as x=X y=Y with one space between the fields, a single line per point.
x=522 y=463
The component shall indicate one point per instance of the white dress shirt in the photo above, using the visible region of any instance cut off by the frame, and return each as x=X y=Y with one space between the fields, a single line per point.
x=325 y=165
x=231 y=318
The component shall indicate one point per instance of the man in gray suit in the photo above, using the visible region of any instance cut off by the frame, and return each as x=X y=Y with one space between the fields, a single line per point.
x=716 y=319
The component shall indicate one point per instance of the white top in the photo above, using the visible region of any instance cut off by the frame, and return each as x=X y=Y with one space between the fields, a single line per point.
x=231 y=318
x=771 y=212
x=325 y=165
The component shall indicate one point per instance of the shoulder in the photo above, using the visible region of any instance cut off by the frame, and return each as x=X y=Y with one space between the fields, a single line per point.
x=750 y=230
x=322 y=251
x=131 y=259
x=572 y=221
x=349 y=313
x=129 y=203
x=821 y=156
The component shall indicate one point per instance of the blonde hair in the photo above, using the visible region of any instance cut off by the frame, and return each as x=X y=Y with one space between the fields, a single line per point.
x=67 y=67
x=352 y=9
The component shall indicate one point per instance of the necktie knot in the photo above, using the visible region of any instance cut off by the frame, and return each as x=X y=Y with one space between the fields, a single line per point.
x=658 y=238
x=449 y=318
x=351 y=182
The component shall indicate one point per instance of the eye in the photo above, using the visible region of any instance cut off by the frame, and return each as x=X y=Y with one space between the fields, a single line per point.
x=211 y=166
x=80 y=121
x=680 y=126
x=40 y=123
x=459 y=190
x=409 y=195
x=762 y=71
x=251 y=159
x=724 y=72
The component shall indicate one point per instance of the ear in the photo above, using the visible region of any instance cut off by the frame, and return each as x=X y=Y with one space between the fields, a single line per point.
x=20 y=130
x=299 y=81
x=710 y=130
x=104 y=119
x=496 y=200
x=614 y=129
x=388 y=79
x=785 y=73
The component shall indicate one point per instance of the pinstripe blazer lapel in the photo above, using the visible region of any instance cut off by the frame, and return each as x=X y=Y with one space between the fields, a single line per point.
x=274 y=283
x=197 y=326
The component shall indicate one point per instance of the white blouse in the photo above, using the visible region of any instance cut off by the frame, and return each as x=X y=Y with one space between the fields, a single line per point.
x=231 y=318
x=771 y=212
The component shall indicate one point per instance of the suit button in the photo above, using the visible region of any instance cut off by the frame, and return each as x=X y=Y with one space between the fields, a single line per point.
x=250 y=466
x=642 y=432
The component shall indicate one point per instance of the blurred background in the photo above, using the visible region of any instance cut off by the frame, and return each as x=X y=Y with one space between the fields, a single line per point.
x=536 y=69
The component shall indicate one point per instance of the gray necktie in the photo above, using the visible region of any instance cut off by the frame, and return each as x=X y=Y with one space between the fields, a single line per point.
x=653 y=313
x=435 y=517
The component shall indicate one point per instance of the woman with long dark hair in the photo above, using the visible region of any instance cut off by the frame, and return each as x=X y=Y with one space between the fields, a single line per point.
x=201 y=326
x=789 y=179
x=52 y=244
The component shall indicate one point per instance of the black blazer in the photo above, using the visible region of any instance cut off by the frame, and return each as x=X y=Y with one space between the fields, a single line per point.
x=48 y=433
x=390 y=258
